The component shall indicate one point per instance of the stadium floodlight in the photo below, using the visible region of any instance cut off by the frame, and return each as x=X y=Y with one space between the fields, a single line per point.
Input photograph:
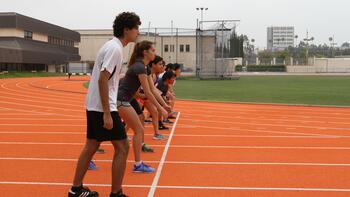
x=307 y=40
x=202 y=9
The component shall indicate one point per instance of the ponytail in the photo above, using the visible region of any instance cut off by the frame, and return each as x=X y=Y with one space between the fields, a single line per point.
x=138 y=51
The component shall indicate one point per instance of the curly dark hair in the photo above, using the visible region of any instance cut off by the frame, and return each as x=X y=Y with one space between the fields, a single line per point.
x=124 y=20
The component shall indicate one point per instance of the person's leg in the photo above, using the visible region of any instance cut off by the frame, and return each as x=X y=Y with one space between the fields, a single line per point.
x=86 y=155
x=121 y=150
x=154 y=112
x=130 y=117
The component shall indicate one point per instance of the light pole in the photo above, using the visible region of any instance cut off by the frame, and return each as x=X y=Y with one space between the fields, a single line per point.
x=202 y=9
x=253 y=40
x=332 y=45
x=307 y=40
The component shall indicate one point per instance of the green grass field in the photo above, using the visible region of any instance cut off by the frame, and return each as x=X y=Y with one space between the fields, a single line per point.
x=29 y=74
x=309 y=90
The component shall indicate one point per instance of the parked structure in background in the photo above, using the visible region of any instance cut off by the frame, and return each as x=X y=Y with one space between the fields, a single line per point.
x=28 y=44
x=175 y=45
x=280 y=37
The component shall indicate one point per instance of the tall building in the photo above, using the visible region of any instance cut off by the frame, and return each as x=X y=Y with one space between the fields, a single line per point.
x=280 y=38
x=28 y=44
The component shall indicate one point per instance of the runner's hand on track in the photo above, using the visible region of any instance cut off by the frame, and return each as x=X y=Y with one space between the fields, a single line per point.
x=164 y=113
x=167 y=108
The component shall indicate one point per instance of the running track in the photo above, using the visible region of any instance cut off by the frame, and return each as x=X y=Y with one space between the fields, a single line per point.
x=214 y=149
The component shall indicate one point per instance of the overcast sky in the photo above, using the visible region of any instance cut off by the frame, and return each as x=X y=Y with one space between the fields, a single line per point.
x=322 y=18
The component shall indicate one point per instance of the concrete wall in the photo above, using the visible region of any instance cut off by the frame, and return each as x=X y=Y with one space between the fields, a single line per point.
x=323 y=65
x=332 y=65
x=301 y=69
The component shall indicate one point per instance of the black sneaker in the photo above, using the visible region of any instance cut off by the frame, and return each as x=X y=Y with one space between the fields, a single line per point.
x=147 y=149
x=162 y=127
x=168 y=121
x=119 y=194
x=148 y=121
x=84 y=191
x=171 y=117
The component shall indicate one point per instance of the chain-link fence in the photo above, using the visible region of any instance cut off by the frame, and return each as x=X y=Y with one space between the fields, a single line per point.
x=175 y=45
x=215 y=57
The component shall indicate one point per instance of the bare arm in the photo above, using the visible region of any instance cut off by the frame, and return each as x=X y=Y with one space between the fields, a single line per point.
x=104 y=95
x=149 y=94
x=156 y=94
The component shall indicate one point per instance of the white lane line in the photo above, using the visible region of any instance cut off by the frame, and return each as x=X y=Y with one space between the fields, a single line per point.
x=161 y=164
x=188 y=162
x=65 y=184
x=44 y=125
x=189 y=146
x=260 y=131
x=41 y=119
x=188 y=187
x=262 y=124
x=270 y=119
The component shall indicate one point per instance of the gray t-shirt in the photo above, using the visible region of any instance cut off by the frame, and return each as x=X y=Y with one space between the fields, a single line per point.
x=131 y=83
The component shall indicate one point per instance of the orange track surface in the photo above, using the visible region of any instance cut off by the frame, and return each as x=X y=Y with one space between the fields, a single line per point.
x=216 y=149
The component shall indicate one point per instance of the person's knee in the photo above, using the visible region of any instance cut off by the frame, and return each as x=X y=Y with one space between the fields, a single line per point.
x=91 y=146
x=122 y=148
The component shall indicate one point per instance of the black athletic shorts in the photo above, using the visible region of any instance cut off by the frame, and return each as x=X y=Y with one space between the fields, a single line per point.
x=136 y=106
x=95 y=129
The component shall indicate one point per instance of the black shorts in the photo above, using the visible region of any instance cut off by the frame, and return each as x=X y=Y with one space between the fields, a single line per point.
x=96 y=131
x=136 y=106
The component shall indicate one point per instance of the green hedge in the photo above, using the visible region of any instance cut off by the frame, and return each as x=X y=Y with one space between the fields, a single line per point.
x=262 y=68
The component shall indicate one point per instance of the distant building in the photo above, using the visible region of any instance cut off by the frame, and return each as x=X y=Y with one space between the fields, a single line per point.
x=280 y=38
x=180 y=49
x=28 y=44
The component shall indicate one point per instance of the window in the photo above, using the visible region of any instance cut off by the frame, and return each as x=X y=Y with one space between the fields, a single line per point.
x=182 y=48
x=166 y=48
x=187 y=48
x=28 y=35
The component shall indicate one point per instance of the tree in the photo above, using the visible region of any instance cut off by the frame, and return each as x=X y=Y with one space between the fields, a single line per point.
x=282 y=54
x=236 y=45
x=345 y=45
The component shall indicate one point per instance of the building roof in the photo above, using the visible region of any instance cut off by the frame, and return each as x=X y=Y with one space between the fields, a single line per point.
x=15 y=20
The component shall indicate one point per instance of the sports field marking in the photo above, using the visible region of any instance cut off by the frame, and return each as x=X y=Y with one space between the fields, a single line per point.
x=190 y=146
x=263 y=131
x=27 y=111
x=230 y=129
x=262 y=124
x=279 y=119
x=240 y=113
x=39 y=95
x=44 y=125
x=44 y=107
x=186 y=162
x=41 y=101
x=186 y=187
x=162 y=160
x=79 y=119
x=208 y=105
